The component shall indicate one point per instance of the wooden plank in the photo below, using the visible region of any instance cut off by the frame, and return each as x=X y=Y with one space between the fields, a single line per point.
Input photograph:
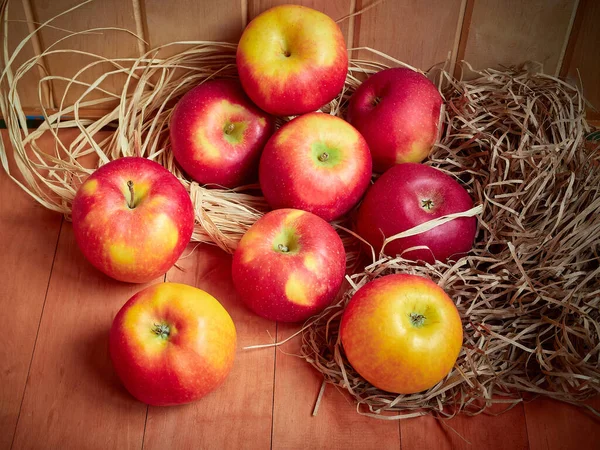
x=582 y=61
x=73 y=397
x=239 y=413
x=505 y=431
x=552 y=425
x=214 y=20
x=106 y=43
x=419 y=33
x=510 y=32
x=336 y=9
x=28 y=238
x=336 y=425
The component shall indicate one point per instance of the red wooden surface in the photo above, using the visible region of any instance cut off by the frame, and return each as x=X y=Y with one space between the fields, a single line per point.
x=59 y=390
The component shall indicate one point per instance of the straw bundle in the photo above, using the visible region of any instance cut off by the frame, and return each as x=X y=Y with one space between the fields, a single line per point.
x=529 y=293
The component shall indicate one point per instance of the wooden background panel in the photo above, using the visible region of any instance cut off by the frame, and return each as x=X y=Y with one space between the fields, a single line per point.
x=17 y=31
x=73 y=398
x=582 y=61
x=336 y=425
x=336 y=9
x=239 y=413
x=28 y=237
x=509 y=32
x=192 y=20
x=420 y=33
x=107 y=43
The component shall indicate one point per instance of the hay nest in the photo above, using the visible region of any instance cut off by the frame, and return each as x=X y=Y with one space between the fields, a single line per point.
x=529 y=293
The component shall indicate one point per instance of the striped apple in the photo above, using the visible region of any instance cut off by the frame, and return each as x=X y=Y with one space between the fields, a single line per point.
x=402 y=333
x=318 y=163
x=292 y=60
x=172 y=344
x=132 y=219
x=289 y=265
x=217 y=134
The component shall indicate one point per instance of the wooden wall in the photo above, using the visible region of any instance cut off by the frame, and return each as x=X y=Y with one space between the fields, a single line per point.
x=561 y=34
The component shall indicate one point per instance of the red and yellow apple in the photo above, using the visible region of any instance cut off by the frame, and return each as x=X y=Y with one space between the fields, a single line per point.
x=172 y=344
x=316 y=162
x=401 y=333
x=408 y=195
x=397 y=111
x=217 y=134
x=292 y=60
x=132 y=219
x=289 y=265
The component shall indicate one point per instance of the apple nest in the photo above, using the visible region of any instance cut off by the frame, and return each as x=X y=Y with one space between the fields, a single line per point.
x=528 y=293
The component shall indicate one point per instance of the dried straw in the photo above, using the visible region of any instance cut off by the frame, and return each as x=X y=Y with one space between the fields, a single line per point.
x=528 y=294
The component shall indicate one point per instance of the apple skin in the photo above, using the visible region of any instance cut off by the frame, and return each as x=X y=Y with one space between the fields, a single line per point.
x=385 y=341
x=397 y=111
x=292 y=60
x=399 y=200
x=289 y=265
x=217 y=134
x=291 y=174
x=172 y=344
x=137 y=244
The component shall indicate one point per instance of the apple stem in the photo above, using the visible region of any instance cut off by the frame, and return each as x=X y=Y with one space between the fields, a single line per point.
x=376 y=101
x=162 y=330
x=416 y=319
x=229 y=128
x=283 y=248
x=130 y=202
x=427 y=204
x=323 y=156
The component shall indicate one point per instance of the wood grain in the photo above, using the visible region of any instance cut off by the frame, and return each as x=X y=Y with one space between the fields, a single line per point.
x=71 y=383
x=336 y=9
x=553 y=426
x=28 y=237
x=419 y=33
x=191 y=20
x=17 y=32
x=73 y=398
x=336 y=425
x=582 y=63
x=239 y=413
x=510 y=32
x=505 y=431
x=106 y=43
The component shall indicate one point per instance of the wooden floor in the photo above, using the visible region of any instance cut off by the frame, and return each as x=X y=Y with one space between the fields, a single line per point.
x=58 y=389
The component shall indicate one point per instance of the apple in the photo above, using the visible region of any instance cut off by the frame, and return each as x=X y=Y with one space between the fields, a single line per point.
x=401 y=333
x=292 y=60
x=315 y=162
x=172 y=344
x=408 y=195
x=289 y=265
x=132 y=219
x=217 y=134
x=397 y=111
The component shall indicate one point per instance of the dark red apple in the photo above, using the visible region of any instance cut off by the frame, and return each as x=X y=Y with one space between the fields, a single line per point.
x=397 y=111
x=408 y=195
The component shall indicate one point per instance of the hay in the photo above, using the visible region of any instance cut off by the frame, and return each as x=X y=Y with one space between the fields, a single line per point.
x=528 y=294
